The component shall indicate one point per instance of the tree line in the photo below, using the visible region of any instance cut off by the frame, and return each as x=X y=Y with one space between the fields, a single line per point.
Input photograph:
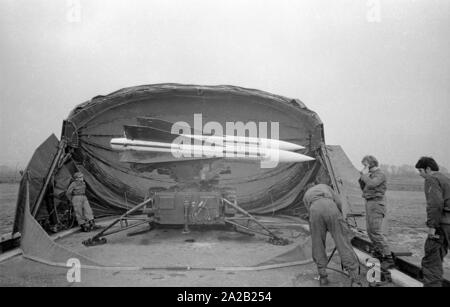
x=404 y=170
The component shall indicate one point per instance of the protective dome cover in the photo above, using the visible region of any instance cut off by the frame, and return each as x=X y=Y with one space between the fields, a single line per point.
x=114 y=186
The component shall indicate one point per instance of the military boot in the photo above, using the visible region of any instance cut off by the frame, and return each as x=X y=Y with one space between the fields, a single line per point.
x=93 y=225
x=378 y=255
x=356 y=284
x=323 y=281
x=355 y=280
x=387 y=262
x=85 y=227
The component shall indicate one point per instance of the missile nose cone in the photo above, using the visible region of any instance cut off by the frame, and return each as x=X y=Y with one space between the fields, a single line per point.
x=288 y=156
x=307 y=158
x=291 y=146
x=280 y=145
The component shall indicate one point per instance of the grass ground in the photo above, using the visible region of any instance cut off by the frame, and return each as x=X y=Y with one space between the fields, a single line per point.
x=8 y=196
x=405 y=225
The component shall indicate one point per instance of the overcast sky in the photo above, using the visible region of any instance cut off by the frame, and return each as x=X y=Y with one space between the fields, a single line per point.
x=376 y=72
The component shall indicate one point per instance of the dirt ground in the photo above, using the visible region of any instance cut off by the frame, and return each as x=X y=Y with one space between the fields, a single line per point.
x=20 y=272
x=208 y=252
x=405 y=229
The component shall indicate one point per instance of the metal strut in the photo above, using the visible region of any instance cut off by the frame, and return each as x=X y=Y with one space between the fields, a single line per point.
x=274 y=239
x=100 y=237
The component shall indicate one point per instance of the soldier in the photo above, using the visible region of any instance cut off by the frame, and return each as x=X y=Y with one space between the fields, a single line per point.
x=325 y=215
x=76 y=193
x=437 y=193
x=373 y=186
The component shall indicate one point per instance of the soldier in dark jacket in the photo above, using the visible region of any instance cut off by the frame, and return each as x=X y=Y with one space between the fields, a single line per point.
x=437 y=193
x=373 y=186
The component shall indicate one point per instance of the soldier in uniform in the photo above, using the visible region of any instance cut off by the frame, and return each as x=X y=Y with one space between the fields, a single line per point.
x=437 y=193
x=325 y=215
x=374 y=185
x=76 y=193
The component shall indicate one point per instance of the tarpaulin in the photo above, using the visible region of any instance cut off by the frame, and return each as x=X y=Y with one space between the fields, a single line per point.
x=36 y=171
x=114 y=182
x=37 y=245
x=114 y=186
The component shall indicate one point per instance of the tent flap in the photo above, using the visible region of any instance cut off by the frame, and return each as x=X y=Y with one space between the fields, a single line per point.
x=37 y=171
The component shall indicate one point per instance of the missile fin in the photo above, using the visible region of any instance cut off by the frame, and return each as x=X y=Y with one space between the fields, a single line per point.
x=149 y=134
x=165 y=125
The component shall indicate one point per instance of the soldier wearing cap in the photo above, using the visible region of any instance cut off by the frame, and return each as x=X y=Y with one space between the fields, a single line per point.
x=76 y=193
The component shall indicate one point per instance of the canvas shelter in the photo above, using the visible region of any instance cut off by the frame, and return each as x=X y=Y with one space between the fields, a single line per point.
x=115 y=186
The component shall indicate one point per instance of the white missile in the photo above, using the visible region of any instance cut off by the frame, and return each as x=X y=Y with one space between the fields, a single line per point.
x=242 y=152
x=161 y=134
x=230 y=140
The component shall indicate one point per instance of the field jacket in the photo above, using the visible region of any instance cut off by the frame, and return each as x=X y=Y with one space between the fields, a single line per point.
x=373 y=184
x=321 y=191
x=437 y=194
x=76 y=188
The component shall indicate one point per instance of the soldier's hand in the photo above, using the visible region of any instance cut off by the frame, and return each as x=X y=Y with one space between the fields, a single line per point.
x=365 y=171
x=432 y=234
x=431 y=231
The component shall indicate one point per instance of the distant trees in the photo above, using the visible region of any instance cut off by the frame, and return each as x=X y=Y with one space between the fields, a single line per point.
x=9 y=174
x=403 y=170
x=398 y=171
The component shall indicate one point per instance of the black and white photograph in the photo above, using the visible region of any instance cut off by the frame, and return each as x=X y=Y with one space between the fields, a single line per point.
x=224 y=149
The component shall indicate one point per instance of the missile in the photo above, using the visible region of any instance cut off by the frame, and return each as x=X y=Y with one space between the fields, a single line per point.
x=229 y=140
x=206 y=151
x=149 y=133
